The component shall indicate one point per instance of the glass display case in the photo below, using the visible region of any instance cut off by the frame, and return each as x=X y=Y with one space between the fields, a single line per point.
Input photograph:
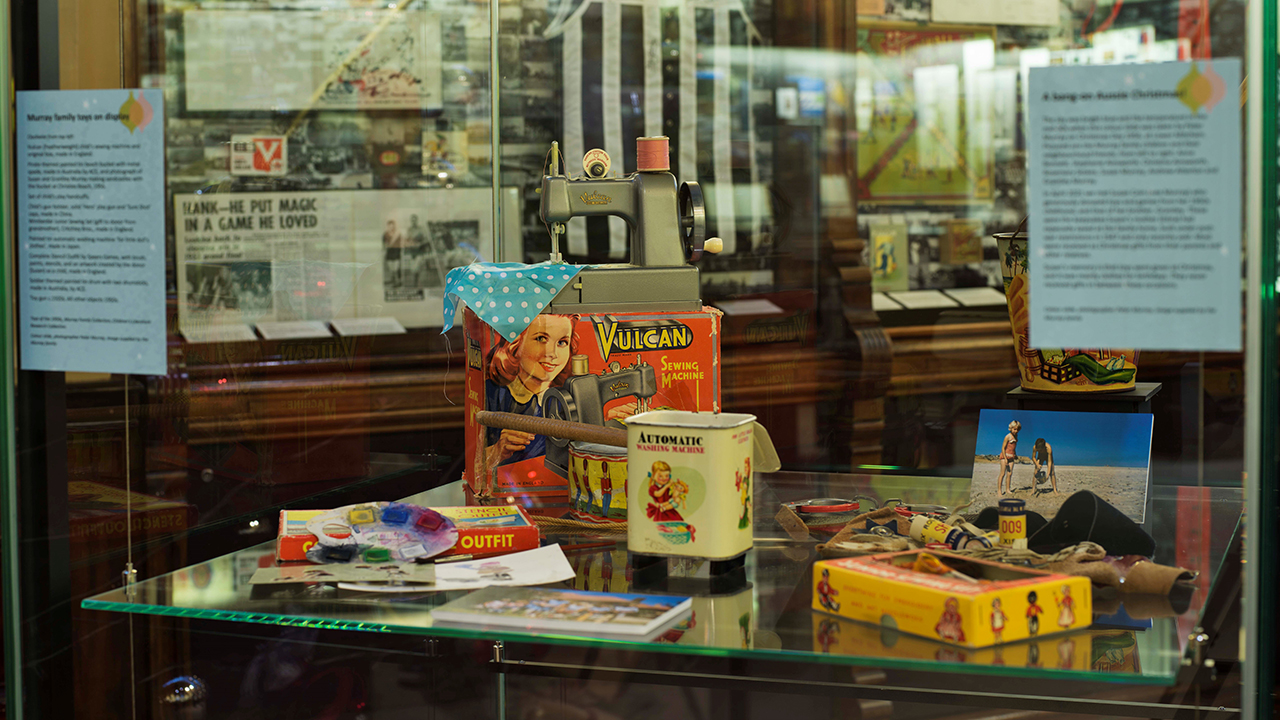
x=870 y=170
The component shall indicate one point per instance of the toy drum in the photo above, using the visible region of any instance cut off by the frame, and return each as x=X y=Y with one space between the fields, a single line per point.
x=689 y=484
x=597 y=482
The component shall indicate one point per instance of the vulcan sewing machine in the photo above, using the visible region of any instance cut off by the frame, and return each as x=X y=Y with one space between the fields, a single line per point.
x=666 y=223
x=667 y=227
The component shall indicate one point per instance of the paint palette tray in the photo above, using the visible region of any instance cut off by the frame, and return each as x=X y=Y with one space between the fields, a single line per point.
x=379 y=532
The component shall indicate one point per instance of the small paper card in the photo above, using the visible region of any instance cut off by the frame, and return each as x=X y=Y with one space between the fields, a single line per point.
x=218 y=333
x=976 y=296
x=295 y=330
x=348 y=327
x=923 y=299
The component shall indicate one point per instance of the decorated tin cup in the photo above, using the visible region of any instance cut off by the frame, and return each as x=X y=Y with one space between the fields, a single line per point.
x=689 y=484
x=1054 y=369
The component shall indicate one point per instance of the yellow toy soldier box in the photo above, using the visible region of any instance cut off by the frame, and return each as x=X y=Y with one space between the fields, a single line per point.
x=973 y=603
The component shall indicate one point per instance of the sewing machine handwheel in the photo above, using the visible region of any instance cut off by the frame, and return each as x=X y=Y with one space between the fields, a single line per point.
x=693 y=219
x=558 y=405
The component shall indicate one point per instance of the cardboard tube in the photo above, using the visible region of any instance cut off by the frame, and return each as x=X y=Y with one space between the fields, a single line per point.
x=583 y=432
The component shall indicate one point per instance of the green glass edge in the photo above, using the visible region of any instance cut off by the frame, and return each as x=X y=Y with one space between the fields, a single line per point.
x=8 y=452
x=492 y=634
x=1263 y=530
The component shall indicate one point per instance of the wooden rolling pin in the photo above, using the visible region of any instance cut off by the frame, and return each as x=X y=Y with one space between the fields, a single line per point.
x=583 y=432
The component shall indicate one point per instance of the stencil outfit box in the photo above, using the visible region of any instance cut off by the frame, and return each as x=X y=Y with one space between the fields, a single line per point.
x=1007 y=603
x=588 y=368
x=482 y=531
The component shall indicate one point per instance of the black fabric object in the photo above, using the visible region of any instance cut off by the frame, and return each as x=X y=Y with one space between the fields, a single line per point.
x=1085 y=516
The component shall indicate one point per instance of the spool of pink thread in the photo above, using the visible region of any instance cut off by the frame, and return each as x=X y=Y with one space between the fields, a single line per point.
x=653 y=154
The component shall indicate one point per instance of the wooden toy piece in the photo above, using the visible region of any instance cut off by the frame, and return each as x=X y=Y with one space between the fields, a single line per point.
x=361 y=516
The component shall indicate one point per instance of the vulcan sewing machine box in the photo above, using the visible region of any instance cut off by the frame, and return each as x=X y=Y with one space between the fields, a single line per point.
x=620 y=365
x=590 y=344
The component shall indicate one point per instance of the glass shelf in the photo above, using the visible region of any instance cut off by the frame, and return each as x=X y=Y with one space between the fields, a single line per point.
x=768 y=620
x=224 y=505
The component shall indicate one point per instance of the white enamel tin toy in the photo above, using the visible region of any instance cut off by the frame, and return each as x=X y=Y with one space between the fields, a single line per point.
x=689 y=484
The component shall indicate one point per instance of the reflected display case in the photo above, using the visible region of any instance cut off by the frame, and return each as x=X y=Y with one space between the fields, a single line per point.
x=867 y=169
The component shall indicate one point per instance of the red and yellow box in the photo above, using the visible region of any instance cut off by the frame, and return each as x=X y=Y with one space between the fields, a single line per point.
x=638 y=361
x=1008 y=603
x=482 y=531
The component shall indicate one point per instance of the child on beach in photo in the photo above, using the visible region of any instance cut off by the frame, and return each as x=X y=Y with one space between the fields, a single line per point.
x=1008 y=456
x=1042 y=458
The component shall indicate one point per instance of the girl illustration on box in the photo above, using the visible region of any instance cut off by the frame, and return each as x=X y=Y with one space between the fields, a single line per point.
x=518 y=374
x=668 y=495
x=1066 y=608
x=1008 y=456
x=997 y=620
x=950 y=626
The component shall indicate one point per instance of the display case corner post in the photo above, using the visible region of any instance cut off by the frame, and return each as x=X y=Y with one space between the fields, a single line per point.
x=10 y=601
x=33 y=479
x=1261 y=421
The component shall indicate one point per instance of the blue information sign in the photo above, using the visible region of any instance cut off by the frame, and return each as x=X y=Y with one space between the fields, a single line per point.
x=91 y=231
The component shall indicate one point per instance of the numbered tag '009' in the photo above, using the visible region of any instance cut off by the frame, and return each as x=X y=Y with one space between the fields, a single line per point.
x=1012 y=528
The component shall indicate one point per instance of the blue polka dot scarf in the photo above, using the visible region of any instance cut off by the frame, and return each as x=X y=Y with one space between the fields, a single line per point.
x=506 y=295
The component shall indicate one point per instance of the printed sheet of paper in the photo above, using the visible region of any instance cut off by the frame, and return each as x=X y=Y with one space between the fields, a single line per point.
x=91 y=231
x=330 y=59
x=259 y=258
x=996 y=12
x=420 y=575
x=531 y=567
x=1134 y=197
x=976 y=296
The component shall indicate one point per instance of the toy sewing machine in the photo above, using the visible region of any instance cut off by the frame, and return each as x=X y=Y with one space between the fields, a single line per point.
x=583 y=396
x=640 y=336
x=667 y=224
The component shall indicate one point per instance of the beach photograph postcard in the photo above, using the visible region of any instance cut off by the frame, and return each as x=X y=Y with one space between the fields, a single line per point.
x=1045 y=457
